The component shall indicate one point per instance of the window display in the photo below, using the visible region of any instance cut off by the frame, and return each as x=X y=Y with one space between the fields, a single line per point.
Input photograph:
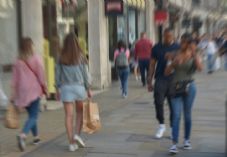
x=8 y=31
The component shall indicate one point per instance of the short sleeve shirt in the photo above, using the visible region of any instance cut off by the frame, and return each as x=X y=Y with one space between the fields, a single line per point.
x=158 y=53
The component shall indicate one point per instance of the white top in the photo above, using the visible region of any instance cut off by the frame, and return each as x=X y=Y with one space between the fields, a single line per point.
x=211 y=48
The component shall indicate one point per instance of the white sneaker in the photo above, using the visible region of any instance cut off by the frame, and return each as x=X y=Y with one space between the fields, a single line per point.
x=187 y=145
x=79 y=141
x=160 y=131
x=173 y=149
x=73 y=147
x=124 y=96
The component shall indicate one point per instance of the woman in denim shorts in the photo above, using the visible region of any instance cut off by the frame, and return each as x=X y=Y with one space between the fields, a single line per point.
x=73 y=87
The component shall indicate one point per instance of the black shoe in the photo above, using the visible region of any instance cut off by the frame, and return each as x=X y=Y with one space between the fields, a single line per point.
x=210 y=72
x=21 y=143
x=36 y=141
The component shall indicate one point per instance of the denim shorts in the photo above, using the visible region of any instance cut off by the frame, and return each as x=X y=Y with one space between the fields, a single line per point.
x=72 y=93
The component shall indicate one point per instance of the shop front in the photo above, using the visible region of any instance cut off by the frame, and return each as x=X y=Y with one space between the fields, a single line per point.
x=61 y=17
x=8 y=32
x=126 y=26
x=64 y=16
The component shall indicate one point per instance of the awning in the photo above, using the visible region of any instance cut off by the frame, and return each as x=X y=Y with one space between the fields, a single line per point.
x=139 y=4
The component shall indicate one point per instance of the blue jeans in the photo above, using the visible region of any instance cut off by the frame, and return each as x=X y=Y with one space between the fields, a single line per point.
x=31 y=123
x=210 y=62
x=185 y=102
x=144 y=67
x=123 y=74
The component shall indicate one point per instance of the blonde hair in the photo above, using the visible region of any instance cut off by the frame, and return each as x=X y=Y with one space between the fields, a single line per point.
x=71 y=53
x=26 y=49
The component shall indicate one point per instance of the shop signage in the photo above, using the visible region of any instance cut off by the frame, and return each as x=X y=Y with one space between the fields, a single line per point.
x=114 y=7
x=160 y=17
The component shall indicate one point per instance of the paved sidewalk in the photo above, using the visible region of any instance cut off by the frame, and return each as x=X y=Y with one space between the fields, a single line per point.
x=129 y=126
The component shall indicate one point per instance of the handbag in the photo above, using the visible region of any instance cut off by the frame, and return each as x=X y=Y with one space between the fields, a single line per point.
x=179 y=88
x=91 y=118
x=12 y=117
x=42 y=86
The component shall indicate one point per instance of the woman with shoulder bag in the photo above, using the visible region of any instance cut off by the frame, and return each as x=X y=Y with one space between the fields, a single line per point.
x=183 y=90
x=28 y=86
x=73 y=87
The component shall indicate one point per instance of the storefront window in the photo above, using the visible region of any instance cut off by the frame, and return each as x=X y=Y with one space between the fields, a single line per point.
x=8 y=31
x=132 y=26
x=141 y=22
x=62 y=17
x=121 y=28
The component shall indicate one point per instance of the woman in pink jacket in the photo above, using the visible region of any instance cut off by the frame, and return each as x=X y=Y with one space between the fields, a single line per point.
x=28 y=85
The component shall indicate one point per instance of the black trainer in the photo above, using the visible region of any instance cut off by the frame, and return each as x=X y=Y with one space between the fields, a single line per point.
x=36 y=141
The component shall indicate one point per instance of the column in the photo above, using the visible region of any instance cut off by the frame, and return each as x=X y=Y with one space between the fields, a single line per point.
x=32 y=22
x=98 y=44
x=150 y=25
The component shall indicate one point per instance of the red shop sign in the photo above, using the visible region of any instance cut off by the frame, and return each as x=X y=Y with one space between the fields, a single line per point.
x=160 y=16
x=113 y=7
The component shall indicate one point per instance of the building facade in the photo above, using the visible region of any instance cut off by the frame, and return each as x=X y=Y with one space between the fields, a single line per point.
x=48 y=21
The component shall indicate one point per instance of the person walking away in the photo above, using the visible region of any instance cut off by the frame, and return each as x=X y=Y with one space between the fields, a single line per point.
x=142 y=54
x=210 y=51
x=27 y=87
x=184 y=65
x=73 y=87
x=121 y=59
x=157 y=66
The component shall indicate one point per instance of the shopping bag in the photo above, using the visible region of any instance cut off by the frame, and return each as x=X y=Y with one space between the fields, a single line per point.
x=91 y=118
x=12 y=117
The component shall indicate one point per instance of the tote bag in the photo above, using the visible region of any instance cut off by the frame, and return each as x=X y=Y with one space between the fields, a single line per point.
x=12 y=117
x=91 y=117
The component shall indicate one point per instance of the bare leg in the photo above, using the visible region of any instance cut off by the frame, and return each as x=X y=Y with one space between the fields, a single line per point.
x=68 y=106
x=135 y=72
x=79 y=116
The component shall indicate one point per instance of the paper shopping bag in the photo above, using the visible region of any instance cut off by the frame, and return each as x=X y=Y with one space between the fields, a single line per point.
x=91 y=118
x=12 y=117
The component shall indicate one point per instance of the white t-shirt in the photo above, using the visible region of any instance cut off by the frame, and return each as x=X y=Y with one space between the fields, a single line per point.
x=211 y=48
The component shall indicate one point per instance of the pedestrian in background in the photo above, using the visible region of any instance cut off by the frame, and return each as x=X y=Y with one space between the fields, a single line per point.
x=183 y=67
x=73 y=87
x=157 y=66
x=28 y=85
x=210 y=51
x=121 y=59
x=142 y=55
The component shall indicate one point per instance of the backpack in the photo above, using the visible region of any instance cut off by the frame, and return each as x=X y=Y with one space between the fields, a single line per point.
x=122 y=60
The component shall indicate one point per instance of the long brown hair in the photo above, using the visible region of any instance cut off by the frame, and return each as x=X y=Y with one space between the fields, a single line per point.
x=71 y=53
x=26 y=49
